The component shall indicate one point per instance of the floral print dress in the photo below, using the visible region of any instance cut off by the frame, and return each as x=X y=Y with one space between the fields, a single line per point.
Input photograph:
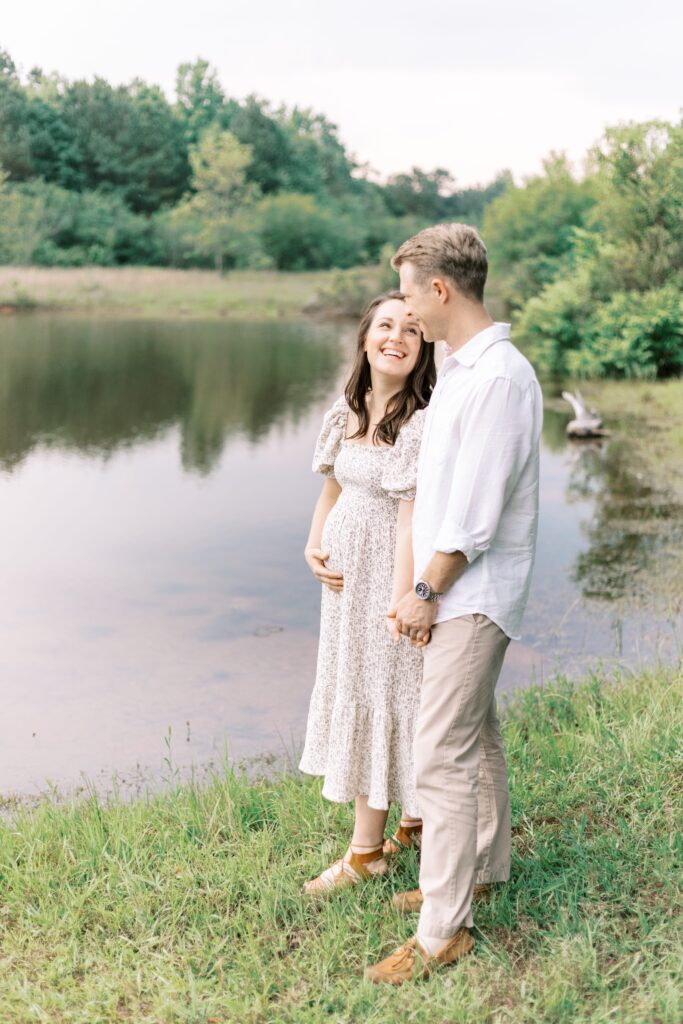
x=364 y=704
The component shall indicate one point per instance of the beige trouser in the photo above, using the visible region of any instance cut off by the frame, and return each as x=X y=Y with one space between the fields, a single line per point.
x=462 y=783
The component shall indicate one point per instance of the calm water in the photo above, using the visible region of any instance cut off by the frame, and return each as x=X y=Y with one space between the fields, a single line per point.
x=155 y=495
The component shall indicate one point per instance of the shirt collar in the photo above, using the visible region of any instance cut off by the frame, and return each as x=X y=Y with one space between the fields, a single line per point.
x=470 y=352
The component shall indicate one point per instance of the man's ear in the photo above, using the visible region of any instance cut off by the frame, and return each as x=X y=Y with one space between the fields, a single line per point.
x=440 y=288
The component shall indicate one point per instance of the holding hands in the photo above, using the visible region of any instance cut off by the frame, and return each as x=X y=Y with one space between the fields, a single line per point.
x=315 y=560
x=412 y=618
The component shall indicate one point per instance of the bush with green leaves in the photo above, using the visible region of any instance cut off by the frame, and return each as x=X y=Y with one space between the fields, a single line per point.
x=529 y=230
x=551 y=324
x=631 y=334
x=635 y=334
x=613 y=307
x=299 y=234
x=47 y=225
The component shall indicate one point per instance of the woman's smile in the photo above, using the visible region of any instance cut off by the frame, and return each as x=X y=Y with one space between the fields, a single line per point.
x=394 y=353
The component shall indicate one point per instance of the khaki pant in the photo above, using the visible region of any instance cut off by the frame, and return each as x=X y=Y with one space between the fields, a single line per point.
x=462 y=782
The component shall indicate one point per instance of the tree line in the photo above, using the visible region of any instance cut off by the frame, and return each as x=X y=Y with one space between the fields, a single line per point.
x=92 y=173
x=592 y=268
x=589 y=267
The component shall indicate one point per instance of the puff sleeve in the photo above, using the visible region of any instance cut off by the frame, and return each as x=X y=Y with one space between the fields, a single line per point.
x=330 y=438
x=400 y=476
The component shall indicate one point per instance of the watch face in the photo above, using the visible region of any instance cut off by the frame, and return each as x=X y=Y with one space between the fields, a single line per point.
x=423 y=590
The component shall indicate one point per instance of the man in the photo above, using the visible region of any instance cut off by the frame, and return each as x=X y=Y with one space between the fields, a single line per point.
x=474 y=535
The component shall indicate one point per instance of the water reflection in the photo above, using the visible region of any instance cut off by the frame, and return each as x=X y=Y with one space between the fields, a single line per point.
x=98 y=386
x=634 y=526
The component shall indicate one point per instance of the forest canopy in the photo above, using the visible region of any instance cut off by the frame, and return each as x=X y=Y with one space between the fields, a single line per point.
x=92 y=173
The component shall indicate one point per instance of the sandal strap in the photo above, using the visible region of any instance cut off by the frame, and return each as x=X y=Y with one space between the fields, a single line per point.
x=404 y=834
x=357 y=861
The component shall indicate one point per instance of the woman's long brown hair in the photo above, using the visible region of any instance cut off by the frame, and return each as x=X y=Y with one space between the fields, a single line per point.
x=414 y=394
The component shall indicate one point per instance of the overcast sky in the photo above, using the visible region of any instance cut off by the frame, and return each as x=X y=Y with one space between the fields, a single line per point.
x=474 y=87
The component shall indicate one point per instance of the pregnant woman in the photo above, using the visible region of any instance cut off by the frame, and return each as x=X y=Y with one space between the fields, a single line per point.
x=366 y=696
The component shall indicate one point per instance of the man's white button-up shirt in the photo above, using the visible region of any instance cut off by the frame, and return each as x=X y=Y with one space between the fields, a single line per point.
x=477 y=480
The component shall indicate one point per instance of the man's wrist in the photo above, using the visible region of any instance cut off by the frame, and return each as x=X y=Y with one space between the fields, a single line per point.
x=426 y=592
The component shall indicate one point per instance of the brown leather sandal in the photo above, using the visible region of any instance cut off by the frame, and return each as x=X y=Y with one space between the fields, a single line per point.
x=405 y=837
x=344 y=873
x=410 y=902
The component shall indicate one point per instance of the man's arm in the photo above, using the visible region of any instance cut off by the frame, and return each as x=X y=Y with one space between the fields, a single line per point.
x=495 y=443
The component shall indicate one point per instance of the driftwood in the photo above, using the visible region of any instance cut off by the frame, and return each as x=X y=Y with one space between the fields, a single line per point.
x=586 y=422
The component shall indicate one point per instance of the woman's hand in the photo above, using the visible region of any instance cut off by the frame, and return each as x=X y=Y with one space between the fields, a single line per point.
x=415 y=618
x=315 y=560
x=393 y=630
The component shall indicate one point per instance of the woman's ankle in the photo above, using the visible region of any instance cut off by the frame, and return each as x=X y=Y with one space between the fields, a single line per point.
x=364 y=848
x=408 y=822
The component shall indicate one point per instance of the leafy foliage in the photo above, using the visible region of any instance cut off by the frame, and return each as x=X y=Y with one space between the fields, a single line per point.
x=607 y=300
x=130 y=144
x=529 y=230
x=297 y=232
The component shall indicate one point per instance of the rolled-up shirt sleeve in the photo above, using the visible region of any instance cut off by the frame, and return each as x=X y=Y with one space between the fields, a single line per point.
x=496 y=441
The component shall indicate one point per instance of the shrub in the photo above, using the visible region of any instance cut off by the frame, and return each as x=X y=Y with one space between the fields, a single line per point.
x=635 y=334
x=299 y=234
x=553 y=322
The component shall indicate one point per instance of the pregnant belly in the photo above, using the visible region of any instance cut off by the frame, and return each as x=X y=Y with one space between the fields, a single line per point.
x=333 y=541
x=361 y=546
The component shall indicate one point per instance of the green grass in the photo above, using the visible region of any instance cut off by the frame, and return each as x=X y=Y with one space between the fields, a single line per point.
x=163 y=292
x=185 y=907
x=158 y=292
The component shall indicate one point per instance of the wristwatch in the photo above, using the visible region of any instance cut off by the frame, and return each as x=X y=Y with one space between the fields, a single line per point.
x=425 y=592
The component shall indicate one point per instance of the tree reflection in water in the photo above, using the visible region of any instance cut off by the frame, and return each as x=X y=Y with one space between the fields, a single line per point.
x=96 y=386
x=635 y=534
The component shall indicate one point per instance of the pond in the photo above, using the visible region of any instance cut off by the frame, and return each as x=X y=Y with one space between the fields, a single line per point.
x=155 y=496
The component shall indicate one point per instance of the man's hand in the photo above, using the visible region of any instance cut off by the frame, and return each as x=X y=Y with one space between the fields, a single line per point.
x=392 y=627
x=415 y=618
x=315 y=560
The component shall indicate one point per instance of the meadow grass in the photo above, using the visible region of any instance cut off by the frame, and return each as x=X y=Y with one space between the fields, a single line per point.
x=186 y=906
x=160 y=292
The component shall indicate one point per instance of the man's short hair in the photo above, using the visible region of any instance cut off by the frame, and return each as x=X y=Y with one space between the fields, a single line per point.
x=447 y=250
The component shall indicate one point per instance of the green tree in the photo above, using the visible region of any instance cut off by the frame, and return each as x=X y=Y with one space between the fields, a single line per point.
x=529 y=229
x=15 y=145
x=252 y=124
x=420 y=194
x=615 y=309
x=298 y=234
x=126 y=139
x=639 y=215
x=44 y=224
x=200 y=101
x=217 y=219
x=318 y=162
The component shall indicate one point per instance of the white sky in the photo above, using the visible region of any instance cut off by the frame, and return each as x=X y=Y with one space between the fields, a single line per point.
x=473 y=87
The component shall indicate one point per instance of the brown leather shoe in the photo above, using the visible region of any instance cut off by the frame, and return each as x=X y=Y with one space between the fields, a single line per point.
x=410 y=961
x=404 y=838
x=410 y=902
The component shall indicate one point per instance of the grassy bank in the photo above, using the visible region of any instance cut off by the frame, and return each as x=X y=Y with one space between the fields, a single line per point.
x=159 y=292
x=186 y=907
